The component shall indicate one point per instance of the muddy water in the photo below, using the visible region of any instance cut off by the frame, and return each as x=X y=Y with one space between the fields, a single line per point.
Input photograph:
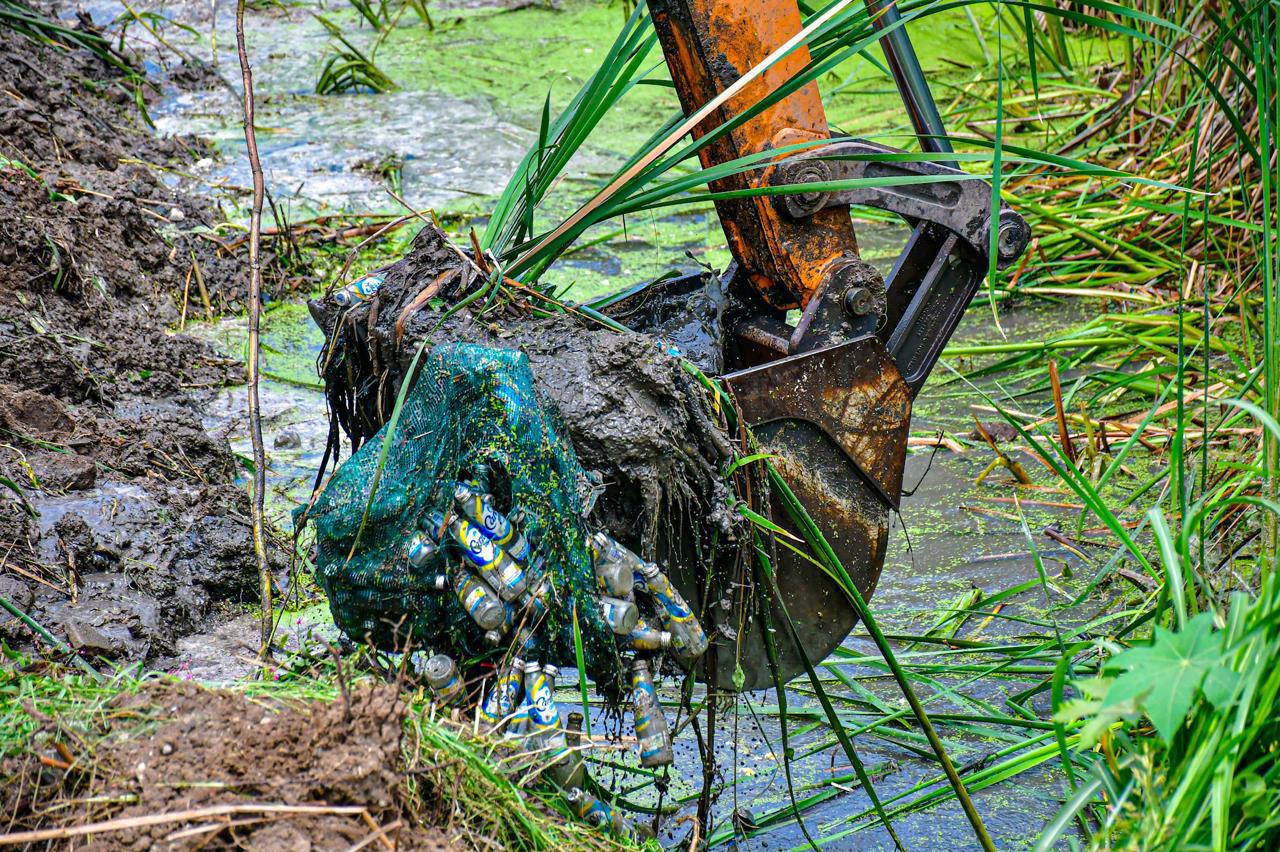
x=457 y=149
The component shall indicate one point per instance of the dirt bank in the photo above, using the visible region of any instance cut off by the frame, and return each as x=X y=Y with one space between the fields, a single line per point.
x=260 y=774
x=121 y=523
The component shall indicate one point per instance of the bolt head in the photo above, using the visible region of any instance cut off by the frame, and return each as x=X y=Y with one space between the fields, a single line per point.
x=858 y=301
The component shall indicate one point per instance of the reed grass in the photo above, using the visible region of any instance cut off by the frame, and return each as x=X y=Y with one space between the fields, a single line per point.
x=1138 y=141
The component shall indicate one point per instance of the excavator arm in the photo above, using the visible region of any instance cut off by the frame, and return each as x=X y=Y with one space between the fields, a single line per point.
x=830 y=395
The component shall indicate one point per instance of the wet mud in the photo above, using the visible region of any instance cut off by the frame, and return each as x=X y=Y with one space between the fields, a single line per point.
x=121 y=523
x=260 y=774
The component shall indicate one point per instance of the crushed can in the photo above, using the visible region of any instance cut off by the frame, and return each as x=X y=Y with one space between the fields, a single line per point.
x=492 y=563
x=615 y=565
x=445 y=681
x=652 y=735
x=688 y=640
x=497 y=527
x=481 y=603
x=645 y=637
x=622 y=616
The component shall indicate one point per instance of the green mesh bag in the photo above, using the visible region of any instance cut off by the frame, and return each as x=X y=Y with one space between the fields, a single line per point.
x=468 y=404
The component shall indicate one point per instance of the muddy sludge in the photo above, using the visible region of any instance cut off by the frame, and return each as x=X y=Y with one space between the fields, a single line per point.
x=124 y=527
x=635 y=417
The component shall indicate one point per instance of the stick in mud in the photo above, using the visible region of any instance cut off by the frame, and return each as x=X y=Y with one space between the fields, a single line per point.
x=255 y=313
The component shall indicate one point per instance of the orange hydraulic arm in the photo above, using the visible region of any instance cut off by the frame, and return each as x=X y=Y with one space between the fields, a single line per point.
x=708 y=45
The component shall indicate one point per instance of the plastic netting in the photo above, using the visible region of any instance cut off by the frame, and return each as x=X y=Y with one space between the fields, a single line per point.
x=468 y=404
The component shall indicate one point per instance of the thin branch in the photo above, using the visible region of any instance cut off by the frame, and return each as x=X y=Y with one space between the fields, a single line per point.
x=255 y=315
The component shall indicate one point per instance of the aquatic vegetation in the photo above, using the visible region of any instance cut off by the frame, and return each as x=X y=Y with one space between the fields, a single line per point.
x=349 y=69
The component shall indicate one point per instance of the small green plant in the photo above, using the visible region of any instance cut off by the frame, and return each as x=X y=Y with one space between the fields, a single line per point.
x=347 y=69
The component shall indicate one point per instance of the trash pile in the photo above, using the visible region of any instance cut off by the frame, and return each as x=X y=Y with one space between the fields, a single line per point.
x=490 y=563
x=501 y=455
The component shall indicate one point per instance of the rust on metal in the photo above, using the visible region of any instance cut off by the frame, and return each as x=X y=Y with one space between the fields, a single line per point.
x=708 y=45
x=836 y=421
x=851 y=391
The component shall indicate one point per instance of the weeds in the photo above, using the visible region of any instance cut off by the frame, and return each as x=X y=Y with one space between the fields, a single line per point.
x=348 y=69
x=1144 y=159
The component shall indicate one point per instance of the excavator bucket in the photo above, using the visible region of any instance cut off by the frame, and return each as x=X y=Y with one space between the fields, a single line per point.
x=828 y=396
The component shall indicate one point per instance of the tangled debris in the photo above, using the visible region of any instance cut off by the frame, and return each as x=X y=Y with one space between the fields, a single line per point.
x=633 y=414
x=458 y=389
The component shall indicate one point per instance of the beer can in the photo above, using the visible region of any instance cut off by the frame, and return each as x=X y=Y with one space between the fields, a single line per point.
x=497 y=568
x=432 y=583
x=480 y=602
x=615 y=565
x=497 y=527
x=688 y=640
x=536 y=599
x=621 y=615
x=505 y=695
x=588 y=808
x=544 y=716
x=420 y=550
x=365 y=288
x=652 y=735
x=445 y=682
x=645 y=637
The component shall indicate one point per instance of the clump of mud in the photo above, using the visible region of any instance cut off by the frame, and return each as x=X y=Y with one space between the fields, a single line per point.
x=123 y=527
x=636 y=418
x=258 y=773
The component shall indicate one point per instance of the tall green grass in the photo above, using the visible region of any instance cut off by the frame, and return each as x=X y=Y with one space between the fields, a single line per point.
x=1138 y=140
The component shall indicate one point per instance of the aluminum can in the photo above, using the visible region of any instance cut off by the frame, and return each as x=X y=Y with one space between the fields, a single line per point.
x=420 y=550
x=688 y=640
x=502 y=699
x=652 y=734
x=645 y=637
x=615 y=565
x=445 y=682
x=588 y=808
x=497 y=527
x=540 y=686
x=493 y=564
x=432 y=583
x=480 y=602
x=366 y=288
x=621 y=615
x=535 y=599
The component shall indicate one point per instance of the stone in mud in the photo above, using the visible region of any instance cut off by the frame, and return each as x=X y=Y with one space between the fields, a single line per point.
x=110 y=617
x=287 y=439
x=63 y=471
x=77 y=548
x=31 y=414
x=18 y=592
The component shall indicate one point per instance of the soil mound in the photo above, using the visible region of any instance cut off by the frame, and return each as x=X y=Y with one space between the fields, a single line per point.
x=121 y=524
x=210 y=769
